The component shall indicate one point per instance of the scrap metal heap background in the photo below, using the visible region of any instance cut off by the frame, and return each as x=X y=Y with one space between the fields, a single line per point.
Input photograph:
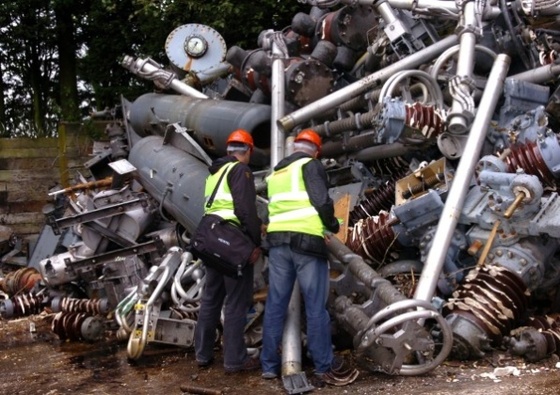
x=439 y=120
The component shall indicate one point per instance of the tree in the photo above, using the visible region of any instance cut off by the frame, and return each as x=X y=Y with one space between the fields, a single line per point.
x=61 y=58
x=66 y=44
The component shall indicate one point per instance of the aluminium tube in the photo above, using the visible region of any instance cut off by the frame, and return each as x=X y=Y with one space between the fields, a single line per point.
x=277 y=106
x=457 y=121
x=444 y=8
x=291 y=336
x=375 y=79
x=148 y=69
x=539 y=75
x=465 y=170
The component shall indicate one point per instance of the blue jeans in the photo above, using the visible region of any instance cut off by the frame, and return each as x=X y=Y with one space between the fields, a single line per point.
x=285 y=266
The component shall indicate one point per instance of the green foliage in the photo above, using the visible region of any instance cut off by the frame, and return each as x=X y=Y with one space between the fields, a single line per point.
x=104 y=32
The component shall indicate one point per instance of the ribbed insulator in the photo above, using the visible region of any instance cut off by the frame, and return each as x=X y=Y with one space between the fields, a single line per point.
x=528 y=157
x=395 y=167
x=537 y=339
x=491 y=297
x=425 y=119
x=181 y=314
x=21 y=280
x=21 y=305
x=77 y=326
x=372 y=238
x=89 y=306
x=374 y=201
x=549 y=327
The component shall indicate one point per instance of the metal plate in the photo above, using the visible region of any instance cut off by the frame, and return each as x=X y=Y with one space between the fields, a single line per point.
x=195 y=47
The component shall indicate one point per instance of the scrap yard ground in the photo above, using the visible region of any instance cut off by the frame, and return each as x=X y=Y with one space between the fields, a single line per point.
x=35 y=361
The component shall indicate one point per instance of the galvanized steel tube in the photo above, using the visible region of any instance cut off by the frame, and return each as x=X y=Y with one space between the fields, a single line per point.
x=465 y=170
x=375 y=79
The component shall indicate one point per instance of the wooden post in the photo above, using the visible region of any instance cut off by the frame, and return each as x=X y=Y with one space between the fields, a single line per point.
x=62 y=158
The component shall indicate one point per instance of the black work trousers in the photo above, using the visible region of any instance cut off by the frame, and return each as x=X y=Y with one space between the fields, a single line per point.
x=237 y=293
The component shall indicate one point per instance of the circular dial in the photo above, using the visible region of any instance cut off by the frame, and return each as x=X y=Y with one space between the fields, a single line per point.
x=196 y=46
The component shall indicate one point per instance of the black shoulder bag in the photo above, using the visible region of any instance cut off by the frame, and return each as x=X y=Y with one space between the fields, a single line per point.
x=220 y=243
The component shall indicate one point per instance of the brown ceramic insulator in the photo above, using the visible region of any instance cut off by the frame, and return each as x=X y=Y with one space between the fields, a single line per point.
x=68 y=325
x=373 y=238
x=549 y=326
x=21 y=280
x=374 y=201
x=492 y=297
x=27 y=304
x=424 y=118
x=90 y=306
x=528 y=157
x=394 y=168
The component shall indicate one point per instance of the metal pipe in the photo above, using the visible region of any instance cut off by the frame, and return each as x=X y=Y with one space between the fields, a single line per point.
x=465 y=170
x=539 y=75
x=291 y=337
x=278 y=106
x=373 y=80
x=443 y=8
x=150 y=70
x=458 y=122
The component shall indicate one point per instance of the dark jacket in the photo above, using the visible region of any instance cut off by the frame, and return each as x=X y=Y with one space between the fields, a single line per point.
x=316 y=184
x=242 y=185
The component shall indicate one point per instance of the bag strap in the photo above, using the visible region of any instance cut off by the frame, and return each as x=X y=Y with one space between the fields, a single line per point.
x=213 y=194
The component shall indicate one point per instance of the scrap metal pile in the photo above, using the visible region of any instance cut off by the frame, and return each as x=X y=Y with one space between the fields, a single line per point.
x=439 y=120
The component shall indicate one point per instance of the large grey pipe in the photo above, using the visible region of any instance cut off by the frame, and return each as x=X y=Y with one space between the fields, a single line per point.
x=172 y=177
x=209 y=121
x=463 y=176
x=375 y=79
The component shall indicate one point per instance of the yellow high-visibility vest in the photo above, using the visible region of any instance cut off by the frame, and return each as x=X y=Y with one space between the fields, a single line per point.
x=223 y=201
x=289 y=207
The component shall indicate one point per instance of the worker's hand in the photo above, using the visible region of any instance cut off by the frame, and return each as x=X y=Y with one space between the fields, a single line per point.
x=264 y=227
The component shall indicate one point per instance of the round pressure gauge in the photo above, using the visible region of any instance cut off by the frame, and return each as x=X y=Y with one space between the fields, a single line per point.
x=196 y=46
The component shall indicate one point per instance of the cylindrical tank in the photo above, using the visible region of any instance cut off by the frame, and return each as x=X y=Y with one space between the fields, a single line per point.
x=211 y=121
x=173 y=177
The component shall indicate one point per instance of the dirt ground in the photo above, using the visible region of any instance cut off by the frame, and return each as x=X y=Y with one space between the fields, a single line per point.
x=33 y=360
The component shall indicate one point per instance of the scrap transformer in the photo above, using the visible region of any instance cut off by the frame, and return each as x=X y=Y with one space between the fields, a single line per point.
x=440 y=127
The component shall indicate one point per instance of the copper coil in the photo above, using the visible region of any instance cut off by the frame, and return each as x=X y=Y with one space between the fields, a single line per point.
x=492 y=297
x=373 y=238
x=424 y=118
x=528 y=157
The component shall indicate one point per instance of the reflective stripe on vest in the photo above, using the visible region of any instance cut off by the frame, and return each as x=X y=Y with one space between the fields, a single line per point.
x=289 y=207
x=223 y=201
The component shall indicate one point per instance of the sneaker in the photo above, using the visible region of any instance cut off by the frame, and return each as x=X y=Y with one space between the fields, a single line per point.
x=250 y=363
x=269 y=375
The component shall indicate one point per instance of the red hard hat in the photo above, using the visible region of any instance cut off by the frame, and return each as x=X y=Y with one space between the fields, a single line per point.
x=311 y=136
x=241 y=136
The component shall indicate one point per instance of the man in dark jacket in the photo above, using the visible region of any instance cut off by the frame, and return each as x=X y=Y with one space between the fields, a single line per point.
x=235 y=200
x=300 y=210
